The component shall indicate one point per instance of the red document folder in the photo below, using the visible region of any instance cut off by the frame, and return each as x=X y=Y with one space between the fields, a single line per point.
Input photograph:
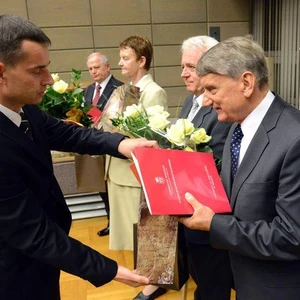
x=95 y=114
x=166 y=175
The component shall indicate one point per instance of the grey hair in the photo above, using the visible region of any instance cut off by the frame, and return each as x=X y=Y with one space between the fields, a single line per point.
x=103 y=58
x=233 y=57
x=200 y=42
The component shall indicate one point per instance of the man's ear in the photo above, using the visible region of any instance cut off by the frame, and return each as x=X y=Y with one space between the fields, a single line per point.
x=248 y=82
x=2 y=73
x=142 y=61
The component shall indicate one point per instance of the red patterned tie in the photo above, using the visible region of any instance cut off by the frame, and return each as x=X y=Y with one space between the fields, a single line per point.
x=97 y=95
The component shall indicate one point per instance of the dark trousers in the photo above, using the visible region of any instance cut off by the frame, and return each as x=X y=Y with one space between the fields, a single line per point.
x=210 y=269
x=104 y=196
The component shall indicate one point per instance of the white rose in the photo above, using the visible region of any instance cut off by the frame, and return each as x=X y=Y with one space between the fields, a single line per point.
x=60 y=86
x=186 y=125
x=55 y=77
x=176 y=135
x=200 y=136
x=158 y=121
x=133 y=111
x=154 y=110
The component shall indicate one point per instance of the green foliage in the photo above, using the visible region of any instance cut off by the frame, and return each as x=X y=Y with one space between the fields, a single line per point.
x=69 y=104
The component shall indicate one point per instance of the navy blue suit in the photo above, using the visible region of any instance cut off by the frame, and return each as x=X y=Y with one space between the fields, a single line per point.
x=89 y=92
x=34 y=218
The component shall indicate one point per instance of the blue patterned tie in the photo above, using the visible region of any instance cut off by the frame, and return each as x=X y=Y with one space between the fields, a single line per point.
x=235 y=147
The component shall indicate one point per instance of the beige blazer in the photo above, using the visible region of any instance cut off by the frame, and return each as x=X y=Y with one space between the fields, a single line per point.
x=118 y=169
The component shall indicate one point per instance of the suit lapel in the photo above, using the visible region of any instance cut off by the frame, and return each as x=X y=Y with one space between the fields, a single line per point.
x=12 y=132
x=187 y=105
x=198 y=119
x=256 y=148
x=89 y=94
x=252 y=156
x=226 y=164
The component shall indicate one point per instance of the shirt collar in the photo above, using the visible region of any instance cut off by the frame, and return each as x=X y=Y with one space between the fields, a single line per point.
x=199 y=99
x=253 y=120
x=104 y=83
x=12 y=115
x=140 y=84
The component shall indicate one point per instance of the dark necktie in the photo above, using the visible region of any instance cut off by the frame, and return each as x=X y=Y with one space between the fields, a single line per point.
x=97 y=95
x=25 y=126
x=235 y=147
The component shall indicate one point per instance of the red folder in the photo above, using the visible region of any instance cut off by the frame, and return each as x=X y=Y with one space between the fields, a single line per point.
x=166 y=175
x=95 y=114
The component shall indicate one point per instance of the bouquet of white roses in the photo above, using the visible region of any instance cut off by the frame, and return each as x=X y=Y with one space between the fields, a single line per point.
x=152 y=123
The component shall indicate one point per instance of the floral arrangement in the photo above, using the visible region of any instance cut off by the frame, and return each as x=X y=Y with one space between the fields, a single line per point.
x=66 y=101
x=153 y=123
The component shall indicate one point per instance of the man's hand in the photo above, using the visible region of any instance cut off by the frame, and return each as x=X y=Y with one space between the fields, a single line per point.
x=130 y=278
x=201 y=219
x=128 y=145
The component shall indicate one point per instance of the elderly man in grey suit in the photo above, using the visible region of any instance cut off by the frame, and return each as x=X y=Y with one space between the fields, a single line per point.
x=209 y=267
x=97 y=94
x=260 y=172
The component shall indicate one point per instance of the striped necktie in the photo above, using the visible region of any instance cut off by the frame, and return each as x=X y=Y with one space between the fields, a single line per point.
x=97 y=95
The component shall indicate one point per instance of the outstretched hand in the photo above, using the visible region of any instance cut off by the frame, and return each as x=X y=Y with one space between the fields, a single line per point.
x=128 y=145
x=202 y=217
x=130 y=278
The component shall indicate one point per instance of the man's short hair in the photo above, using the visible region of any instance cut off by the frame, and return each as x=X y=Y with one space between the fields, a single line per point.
x=200 y=42
x=103 y=58
x=13 y=31
x=141 y=46
x=233 y=57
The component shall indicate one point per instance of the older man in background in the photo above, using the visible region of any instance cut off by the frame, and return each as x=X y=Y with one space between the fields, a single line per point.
x=209 y=267
x=97 y=94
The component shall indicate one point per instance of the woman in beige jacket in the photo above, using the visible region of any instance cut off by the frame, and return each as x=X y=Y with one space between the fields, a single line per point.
x=123 y=188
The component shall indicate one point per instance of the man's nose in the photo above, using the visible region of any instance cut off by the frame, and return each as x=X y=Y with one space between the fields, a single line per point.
x=184 y=73
x=206 y=100
x=48 y=80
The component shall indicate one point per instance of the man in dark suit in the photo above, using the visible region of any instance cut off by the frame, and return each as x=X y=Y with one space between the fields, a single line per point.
x=260 y=172
x=209 y=267
x=34 y=217
x=99 y=68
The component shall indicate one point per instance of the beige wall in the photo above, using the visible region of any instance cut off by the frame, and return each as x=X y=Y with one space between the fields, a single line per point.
x=79 y=27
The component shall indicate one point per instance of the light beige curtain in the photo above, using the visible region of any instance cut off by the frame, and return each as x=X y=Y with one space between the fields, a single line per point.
x=276 y=26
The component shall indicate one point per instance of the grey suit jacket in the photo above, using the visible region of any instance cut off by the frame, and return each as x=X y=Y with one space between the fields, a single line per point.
x=208 y=119
x=89 y=92
x=263 y=234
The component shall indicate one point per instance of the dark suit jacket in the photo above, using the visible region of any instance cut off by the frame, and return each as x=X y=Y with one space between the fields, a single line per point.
x=263 y=235
x=206 y=118
x=34 y=217
x=89 y=92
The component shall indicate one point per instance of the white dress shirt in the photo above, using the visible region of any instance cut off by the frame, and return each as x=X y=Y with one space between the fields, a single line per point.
x=251 y=123
x=103 y=85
